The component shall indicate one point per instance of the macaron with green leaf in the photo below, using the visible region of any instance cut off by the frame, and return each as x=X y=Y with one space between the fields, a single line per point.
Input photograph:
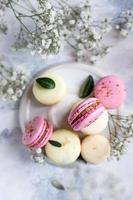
x=49 y=88
x=63 y=147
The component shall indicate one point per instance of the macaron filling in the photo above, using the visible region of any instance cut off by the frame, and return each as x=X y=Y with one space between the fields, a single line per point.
x=86 y=111
x=39 y=138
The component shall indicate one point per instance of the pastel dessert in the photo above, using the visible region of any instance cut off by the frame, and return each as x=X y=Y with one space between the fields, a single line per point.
x=98 y=125
x=85 y=113
x=37 y=133
x=50 y=95
x=110 y=90
x=95 y=149
x=63 y=147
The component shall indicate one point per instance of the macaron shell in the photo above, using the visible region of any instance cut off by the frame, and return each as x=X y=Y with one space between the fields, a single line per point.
x=95 y=108
x=33 y=130
x=98 y=125
x=95 y=149
x=88 y=119
x=69 y=150
x=47 y=134
x=111 y=91
x=79 y=107
x=50 y=96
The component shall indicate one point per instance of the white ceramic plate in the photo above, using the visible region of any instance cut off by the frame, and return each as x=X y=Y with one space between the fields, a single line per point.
x=74 y=75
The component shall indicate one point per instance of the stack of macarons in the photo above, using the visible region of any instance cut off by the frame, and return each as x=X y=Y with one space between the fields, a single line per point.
x=89 y=117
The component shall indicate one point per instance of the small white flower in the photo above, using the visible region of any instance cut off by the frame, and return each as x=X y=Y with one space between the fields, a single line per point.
x=19 y=93
x=92 y=44
x=60 y=22
x=43 y=42
x=93 y=59
x=49 y=41
x=79 y=53
x=23 y=87
x=55 y=32
x=4 y=82
x=38 y=159
x=23 y=77
x=39 y=51
x=124 y=32
x=96 y=35
x=14 y=98
x=50 y=27
x=39 y=150
x=72 y=22
x=84 y=14
x=117 y=26
x=48 y=5
x=29 y=45
x=10 y=91
x=108 y=50
x=80 y=46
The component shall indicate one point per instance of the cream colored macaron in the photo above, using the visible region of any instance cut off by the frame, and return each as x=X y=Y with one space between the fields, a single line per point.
x=98 y=125
x=95 y=149
x=50 y=96
x=69 y=149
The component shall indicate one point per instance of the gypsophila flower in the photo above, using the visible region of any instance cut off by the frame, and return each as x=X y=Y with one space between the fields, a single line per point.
x=124 y=23
x=51 y=28
x=38 y=156
x=121 y=133
x=13 y=83
x=43 y=38
x=81 y=32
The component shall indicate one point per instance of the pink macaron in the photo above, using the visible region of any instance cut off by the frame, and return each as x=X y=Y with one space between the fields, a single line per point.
x=85 y=113
x=110 y=90
x=37 y=133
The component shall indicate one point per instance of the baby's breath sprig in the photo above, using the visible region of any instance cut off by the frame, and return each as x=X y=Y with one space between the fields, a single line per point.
x=46 y=28
x=82 y=32
x=121 y=133
x=12 y=83
x=42 y=35
x=38 y=156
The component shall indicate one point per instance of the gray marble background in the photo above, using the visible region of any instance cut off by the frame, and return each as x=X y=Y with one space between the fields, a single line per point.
x=20 y=178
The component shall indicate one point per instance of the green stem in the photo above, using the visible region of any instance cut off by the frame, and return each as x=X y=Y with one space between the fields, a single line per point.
x=19 y=18
x=21 y=6
x=71 y=45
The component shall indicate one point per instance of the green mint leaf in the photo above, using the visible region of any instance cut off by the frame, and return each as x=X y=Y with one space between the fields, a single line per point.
x=55 y=143
x=46 y=82
x=87 y=87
